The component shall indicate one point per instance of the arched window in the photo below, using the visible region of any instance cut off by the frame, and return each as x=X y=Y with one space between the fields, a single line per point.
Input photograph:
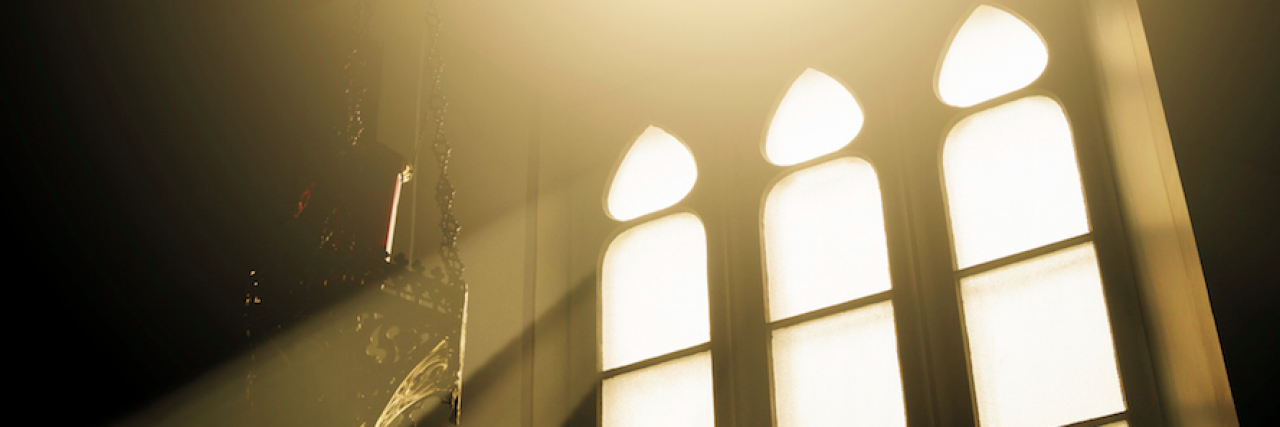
x=940 y=253
x=1036 y=324
x=832 y=342
x=654 y=315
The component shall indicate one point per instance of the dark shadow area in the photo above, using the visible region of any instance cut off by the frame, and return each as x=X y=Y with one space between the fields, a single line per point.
x=1216 y=64
x=158 y=146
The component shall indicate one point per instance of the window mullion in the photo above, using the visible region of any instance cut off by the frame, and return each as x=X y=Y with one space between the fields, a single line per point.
x=835 y=309
x=1023 y=256
x=739 y=328
x=940 y=394
x=1109 y=420
x=657 y=360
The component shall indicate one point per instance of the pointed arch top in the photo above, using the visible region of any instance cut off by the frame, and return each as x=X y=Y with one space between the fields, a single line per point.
x=817 y=116
x=992 y=54
x=656 y=172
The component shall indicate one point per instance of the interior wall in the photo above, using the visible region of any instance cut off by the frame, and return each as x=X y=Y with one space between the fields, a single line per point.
x=1215 y=63
x=158 y=144
x=540 y=64
x=539 y=93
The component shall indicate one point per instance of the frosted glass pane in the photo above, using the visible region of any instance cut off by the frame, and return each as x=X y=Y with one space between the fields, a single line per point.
x=654 y=290
x=672 y=394
x=1012 y=181
x=655 y=173
x=824 y=238
x=992 y=54
x=840 y=370
x=817 y=116
x=1040 y=343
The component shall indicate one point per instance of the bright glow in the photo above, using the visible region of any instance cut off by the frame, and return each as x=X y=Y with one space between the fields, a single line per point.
x=672 y=394
x=994 y=53
x=654 y=290
x=817 y=116
x=1012 y=181
x=1040 y=342
x=839 y=370
x=395 y=207
x=655 y=173
x=824 y=238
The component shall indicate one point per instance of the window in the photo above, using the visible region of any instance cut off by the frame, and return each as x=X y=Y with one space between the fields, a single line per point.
x=654 y=322
x=943 y=253
x=832 y=341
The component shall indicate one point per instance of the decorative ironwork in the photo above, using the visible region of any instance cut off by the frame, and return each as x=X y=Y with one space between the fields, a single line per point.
x=418 y=385
x=431 y=122
x=434 y=312
x=355 y=73
x=404 y=347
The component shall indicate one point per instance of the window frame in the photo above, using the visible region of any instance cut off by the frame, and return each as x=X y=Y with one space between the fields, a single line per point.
x=764 y=328
x=1070 y=68
x=926 y=289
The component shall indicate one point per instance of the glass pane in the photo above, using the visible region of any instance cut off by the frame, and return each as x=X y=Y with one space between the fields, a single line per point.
x=1040 y=343
x=672 y=394
x=839 y=370
x=1012 y=181
x=992 y=54
x=824 y=238
x=817 y=116
x=654 y=290
x=655 y=173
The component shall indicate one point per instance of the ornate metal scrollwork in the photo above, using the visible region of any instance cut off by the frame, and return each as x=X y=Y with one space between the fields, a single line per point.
x=405 y=346
x=432 y=122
